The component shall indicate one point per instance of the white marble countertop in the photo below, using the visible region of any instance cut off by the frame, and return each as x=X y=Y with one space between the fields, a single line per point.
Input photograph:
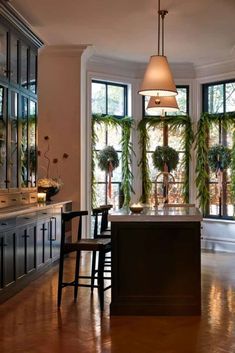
x=163 y=214
x=15 y=211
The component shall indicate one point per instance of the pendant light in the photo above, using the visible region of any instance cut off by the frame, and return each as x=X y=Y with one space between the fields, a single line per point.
x=161 y=105
x=158 y=79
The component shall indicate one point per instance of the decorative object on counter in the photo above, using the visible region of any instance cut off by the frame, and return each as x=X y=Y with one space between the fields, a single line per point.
x=165 y=159
x=125 y=124
x=219 y=159
x=108 y=161
x=50 y=185
x=42 y=197
x=201 y=146
x=136 y=208
x=174 y=123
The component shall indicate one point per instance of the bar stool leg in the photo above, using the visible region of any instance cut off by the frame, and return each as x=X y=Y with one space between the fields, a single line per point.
x=101 y=278
x=93 y=270
x=60 y=279
x=76 y=275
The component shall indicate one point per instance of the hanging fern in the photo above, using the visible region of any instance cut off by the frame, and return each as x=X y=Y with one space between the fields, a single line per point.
x=127 y=177
x=174 y=123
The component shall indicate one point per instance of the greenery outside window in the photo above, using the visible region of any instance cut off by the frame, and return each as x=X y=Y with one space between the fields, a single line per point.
x=161 y=135
x=109 y=99
x=219 y=98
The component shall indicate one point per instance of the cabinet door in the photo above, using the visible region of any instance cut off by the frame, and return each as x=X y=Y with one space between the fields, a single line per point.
x=3 y=136
x=55 y=231
x=4 y=70
x=14 y=59
x=24 y=142
x=24 y=62
x=9 y=260
x=20 y=252
x=43 y=242
x=32 y=143
x=1 y=259
x=13 y=141
x=32 y=71
x=30 y=248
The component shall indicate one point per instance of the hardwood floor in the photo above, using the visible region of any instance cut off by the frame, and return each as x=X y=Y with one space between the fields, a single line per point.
x=31 y=323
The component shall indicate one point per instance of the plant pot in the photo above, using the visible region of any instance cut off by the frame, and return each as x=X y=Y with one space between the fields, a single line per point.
x=49 y=190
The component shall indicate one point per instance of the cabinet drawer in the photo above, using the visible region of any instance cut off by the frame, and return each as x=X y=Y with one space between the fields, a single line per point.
x=7 y=224
x=26 y=218
x=47 y=212
x=4 y=201
x=33 y=197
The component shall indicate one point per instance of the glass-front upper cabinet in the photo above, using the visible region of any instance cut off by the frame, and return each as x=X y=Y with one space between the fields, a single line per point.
x=14 y=59
x=24 y=66
x=3 y=52
x=24 y=143
x=13 y=141
x=32 y=143
x=32 y=71
x=3 y=139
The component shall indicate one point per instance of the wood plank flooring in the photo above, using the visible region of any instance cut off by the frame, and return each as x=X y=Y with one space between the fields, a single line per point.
x=31 y=323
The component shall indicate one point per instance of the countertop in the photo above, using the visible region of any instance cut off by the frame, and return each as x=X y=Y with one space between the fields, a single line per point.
x=15 y=211
x=160 y=214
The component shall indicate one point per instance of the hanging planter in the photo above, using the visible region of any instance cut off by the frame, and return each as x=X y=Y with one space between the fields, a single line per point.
x=108 y=161
x=165 y=158
x=219 y=159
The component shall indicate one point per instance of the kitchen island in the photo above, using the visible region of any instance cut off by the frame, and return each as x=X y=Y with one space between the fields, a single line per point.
x=156 y=262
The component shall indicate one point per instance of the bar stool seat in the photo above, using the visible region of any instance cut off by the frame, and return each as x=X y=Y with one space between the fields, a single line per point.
x=96 y=246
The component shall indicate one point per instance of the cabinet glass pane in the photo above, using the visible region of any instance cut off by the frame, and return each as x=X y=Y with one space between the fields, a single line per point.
x=32 y=143
x=24 y=142
x=3 y=129
x=13 y=156
x=14 y=60
x=24 y=66
x=3 y=51
x=33 y=77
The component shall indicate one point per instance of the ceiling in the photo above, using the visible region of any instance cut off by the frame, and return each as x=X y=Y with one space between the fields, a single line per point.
x=196 y=31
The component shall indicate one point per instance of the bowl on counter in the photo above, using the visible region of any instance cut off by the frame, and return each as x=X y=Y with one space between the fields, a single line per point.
x=136 y=209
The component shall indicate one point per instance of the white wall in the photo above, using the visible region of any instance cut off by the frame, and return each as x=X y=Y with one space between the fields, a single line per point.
x=59 y=113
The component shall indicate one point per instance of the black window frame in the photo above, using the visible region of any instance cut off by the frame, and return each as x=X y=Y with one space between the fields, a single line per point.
x=222 y=132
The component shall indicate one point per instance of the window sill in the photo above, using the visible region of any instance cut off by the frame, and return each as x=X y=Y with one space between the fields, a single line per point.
x=219 y=220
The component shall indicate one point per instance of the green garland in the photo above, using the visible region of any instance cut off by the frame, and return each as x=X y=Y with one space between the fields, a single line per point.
x=202 y=176
x=165 y=155
x=126 y=124
x=174 y=123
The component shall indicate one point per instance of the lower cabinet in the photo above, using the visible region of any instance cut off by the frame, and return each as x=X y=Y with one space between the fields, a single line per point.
x=28 y=244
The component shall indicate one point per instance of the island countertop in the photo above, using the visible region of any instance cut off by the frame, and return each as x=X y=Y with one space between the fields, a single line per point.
x=159 y=214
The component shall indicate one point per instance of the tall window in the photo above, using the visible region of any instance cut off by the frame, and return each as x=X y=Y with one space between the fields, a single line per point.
x=162 y=136
x=108 y=99
x=219 y=98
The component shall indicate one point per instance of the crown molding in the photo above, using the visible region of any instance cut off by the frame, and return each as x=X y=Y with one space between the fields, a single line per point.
x=8 y=12
x=215 y=69
x=64 y=50
x=134 y=69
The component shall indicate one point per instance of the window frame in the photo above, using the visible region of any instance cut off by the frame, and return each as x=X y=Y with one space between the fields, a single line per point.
x=125 y=94
x=166 y=128
x=221 y=138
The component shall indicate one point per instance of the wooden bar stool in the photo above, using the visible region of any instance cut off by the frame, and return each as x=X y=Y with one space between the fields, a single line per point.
x=101 y=232
x=100 y=246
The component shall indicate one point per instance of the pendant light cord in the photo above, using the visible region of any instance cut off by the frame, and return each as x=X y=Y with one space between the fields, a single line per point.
x=158 y=51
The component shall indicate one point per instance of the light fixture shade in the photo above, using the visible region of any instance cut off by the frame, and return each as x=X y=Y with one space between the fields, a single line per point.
x=158 y=79
x=157 y=105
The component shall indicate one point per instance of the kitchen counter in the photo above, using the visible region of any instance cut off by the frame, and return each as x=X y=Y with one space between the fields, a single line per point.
x=169 y=214
x=156 y=263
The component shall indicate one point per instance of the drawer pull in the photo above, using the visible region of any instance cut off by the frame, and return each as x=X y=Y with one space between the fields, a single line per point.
x=13 y=199
x=3 y=224
x=26 y=217
x=3 y=201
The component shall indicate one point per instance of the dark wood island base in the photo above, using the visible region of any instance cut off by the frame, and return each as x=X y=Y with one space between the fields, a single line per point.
x=156 y=267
